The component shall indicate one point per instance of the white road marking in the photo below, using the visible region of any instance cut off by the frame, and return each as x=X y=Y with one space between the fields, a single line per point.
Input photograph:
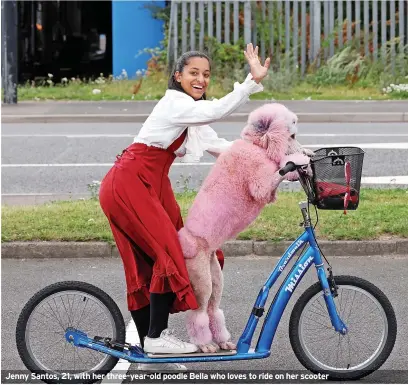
x=364 y=146
x=58 y=165
x=367 y=180
x=324 y=135
x=122 y=367
x=89 y=164
x=69 y=136
x=368 y=146
x=401 y=179
x=27 y=194
x=351 y=135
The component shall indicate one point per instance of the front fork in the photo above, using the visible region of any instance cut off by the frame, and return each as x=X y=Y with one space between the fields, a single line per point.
x=330 y=292
x=328 y=283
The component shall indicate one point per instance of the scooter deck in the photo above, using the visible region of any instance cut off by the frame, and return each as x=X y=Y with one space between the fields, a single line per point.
x=197 y=354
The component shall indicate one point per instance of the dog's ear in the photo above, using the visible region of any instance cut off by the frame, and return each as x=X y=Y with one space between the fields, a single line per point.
x=259 y=122
x=268 y=128
x=275 y=140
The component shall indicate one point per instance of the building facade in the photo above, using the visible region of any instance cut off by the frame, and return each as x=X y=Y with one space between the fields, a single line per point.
x=84 y=38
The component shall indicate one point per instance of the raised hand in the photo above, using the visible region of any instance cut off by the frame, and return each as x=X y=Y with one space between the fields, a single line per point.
x=258 y=70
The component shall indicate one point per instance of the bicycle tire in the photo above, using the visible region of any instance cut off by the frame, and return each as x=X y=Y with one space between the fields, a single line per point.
x=59 y=287
x=304 y=358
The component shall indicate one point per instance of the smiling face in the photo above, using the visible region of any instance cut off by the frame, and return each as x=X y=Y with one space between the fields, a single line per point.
x=194 y=77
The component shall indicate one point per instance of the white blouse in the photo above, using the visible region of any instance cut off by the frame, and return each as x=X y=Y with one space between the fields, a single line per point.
x=177 y=111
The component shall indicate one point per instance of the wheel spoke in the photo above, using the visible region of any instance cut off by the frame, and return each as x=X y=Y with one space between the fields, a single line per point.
x=367 y=323
x=47 y=346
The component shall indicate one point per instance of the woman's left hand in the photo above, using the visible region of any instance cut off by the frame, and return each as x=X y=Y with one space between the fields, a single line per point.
x=257 y=70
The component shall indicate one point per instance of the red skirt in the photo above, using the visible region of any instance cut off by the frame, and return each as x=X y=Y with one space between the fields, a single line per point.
x=137 y=197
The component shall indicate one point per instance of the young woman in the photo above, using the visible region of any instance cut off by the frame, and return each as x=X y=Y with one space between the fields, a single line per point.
x=138 y=200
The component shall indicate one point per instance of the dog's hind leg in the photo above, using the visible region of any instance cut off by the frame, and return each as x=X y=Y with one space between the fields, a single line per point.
x=198 y=323
x=219 y=331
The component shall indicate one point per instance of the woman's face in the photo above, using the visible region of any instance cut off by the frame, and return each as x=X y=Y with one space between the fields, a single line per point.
x=195 y=77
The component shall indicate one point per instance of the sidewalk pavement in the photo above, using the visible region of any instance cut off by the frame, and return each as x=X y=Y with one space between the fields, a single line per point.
x=138 y=111
x=68 y=250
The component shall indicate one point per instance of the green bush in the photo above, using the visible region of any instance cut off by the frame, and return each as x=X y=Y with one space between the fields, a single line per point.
x=349 y=66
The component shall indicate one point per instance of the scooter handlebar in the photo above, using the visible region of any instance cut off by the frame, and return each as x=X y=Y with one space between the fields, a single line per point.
x=290 y=166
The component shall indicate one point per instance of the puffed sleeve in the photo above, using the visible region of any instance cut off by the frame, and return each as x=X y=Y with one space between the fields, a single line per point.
x=200 y=139
x=189 y=112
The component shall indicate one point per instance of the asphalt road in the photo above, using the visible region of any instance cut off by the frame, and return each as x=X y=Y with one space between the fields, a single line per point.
x=59 y=160
x=244 y=277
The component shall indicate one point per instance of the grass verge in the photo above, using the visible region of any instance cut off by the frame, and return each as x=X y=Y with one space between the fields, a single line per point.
x=154 y=86
x=382 y=214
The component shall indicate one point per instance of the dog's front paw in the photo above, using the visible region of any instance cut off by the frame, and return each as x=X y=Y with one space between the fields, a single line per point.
x=228 y=345
x=297 y=158
x=307 y=152
x=208 y=348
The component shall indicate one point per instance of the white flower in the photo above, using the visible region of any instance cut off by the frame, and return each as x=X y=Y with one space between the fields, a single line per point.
x=50 y=75
x=396 y=88
x=96 y=91
x=64 y=80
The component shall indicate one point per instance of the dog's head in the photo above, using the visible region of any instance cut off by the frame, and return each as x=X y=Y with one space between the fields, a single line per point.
x=272 y=127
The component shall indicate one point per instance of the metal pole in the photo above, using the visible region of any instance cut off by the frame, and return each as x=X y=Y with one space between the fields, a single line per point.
x=9 y=50
x=316 y=20
x=170 y=41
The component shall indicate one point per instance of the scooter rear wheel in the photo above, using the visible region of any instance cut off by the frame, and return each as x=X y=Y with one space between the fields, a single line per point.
x=41 y=326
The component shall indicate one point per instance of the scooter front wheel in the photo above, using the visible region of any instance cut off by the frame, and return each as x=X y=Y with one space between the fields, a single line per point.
x=41 y=327
x=369 y=318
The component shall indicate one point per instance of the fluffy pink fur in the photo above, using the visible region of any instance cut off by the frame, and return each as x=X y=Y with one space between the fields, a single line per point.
x=243 y=180
x=198 y=327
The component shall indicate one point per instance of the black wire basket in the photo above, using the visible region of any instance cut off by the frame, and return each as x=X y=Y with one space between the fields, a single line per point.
x=336 y=178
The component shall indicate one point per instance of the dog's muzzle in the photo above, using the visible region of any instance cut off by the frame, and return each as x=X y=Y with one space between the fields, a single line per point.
x=293 y=131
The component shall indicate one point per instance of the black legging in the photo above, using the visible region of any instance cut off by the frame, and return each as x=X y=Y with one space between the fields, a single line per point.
x=152 y=319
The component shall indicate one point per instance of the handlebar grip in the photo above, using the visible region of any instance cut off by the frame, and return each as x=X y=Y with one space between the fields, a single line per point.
x=290 y=166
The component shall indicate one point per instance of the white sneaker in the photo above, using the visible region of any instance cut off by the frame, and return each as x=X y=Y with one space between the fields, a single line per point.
x=162 y=368
x=168 y=344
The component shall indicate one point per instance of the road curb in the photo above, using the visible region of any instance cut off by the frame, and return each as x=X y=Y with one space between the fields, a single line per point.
x=312 y=117
x=72 y=250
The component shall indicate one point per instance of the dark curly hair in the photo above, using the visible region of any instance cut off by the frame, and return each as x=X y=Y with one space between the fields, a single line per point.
x=182 y=61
